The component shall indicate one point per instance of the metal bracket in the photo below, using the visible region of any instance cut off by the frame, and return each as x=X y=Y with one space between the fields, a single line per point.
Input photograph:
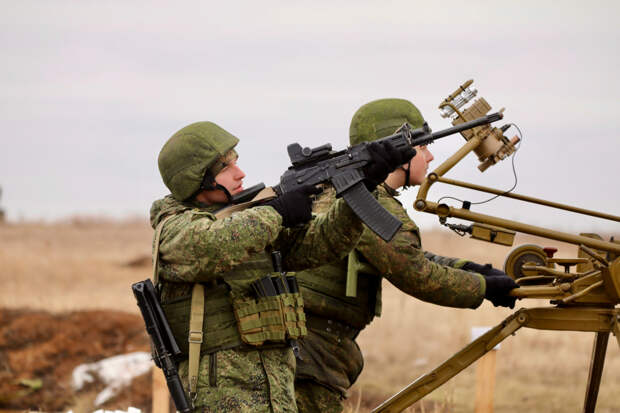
x=544 y=318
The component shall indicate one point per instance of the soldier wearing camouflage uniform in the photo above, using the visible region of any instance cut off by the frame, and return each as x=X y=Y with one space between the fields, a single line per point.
x=331 y=359
x=193 y=247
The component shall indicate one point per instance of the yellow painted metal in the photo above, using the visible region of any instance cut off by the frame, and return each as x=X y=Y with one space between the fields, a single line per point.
x=493 y=234
x=526 y=198
x=566 y=319
x=431 y=207
x=586 y=300
x=451 y=367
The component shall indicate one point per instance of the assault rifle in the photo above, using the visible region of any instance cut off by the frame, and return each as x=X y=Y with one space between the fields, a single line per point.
x=344 y=170
x=165 y=349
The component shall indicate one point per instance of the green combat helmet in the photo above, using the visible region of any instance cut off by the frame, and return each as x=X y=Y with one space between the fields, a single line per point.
x=381 y=118
x=193 y=155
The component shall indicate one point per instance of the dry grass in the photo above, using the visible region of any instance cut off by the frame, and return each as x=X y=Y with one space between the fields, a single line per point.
x=81 y=264
x=84 y=264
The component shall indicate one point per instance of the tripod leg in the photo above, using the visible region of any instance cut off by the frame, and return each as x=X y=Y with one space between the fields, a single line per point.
x=596 y=370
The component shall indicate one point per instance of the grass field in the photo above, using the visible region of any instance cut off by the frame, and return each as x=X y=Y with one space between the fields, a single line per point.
x=89 y=264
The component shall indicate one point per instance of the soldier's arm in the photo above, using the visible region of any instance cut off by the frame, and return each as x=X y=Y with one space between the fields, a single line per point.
x=328 y=237
x=445 y=261
x=196 y=247
x=403 y=263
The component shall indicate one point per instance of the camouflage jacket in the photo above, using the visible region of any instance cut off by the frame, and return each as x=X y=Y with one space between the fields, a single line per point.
x=196 y=247
x=330 y=355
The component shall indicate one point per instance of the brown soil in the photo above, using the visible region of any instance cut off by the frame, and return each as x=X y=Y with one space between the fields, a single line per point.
x=39 y=345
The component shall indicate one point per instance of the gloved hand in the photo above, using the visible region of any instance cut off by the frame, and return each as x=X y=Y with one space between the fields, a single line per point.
x=498 y=287
x=385 y=159
x=295 y=207
x=485 y=270
x=498 y=284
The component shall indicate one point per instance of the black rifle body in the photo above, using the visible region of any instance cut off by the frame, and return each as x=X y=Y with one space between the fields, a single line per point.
x=344 y=171
x=165 y=349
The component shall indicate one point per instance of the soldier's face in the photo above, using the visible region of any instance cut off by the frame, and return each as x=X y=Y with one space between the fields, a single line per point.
x=231 y=178
x=418 y=166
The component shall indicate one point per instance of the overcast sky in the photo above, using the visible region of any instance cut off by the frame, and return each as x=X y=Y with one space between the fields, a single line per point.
x=92 y=90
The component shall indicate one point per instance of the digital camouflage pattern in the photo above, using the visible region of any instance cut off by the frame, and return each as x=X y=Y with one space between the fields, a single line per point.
x=312 y=397
x=245 y=381
x=197 y=247
x=403 y=263
x=332 y=358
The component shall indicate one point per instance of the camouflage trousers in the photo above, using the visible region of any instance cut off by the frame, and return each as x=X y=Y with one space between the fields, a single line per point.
x=313 y=398
x=245 y=381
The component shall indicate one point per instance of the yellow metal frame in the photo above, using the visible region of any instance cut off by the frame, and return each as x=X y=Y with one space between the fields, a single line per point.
x=600 y=320
x=443 y=210
x=586 y=301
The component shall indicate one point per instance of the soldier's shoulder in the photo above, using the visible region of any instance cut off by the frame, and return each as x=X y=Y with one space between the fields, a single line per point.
x=396 y=208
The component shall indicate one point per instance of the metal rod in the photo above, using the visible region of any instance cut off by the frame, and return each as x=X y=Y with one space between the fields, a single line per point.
x=582 y=292
x=451 y=367
x=528 y=199
x=449 y=163
x=431 y=207
x=597 y=362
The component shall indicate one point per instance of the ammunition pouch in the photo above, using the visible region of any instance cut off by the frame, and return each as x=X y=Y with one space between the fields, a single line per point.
x=273 y=319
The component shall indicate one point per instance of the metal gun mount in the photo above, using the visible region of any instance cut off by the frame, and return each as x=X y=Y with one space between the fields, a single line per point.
x=584 y=291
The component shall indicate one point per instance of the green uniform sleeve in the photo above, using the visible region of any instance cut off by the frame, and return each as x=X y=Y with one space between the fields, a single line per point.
x=328 y=237
x=196 y=247
x=403 y=263
x=445 y=261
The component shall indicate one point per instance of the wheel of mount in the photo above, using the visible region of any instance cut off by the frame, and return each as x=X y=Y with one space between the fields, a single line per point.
x=526 y=253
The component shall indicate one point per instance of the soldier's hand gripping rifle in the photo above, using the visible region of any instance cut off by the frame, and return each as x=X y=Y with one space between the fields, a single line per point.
x=165 y=349
x=344 y=170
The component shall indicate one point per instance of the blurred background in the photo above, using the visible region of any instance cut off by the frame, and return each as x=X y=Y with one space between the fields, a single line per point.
x=92 y=90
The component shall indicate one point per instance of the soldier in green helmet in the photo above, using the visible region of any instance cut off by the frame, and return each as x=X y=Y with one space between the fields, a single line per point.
x=331 y=359
x=206 y=266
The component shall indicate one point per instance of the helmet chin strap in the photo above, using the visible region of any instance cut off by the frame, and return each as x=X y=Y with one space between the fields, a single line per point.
x=407 y=171
x=209 y=184
x=223 y=188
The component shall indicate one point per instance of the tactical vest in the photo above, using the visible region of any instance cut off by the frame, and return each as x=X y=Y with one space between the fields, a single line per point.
x=232 y=315
x=324 y=290
x=219 y=322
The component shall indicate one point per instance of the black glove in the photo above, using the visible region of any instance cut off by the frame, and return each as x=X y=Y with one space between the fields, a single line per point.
x=498 y=287
x=295 y=207
x=486 y=270
x=498 y=284
x=385 y=159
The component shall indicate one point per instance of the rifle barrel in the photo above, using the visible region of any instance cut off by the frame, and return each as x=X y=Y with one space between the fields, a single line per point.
x=485 y=120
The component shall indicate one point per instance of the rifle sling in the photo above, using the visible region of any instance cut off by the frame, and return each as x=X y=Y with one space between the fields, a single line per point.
x=264 y=195
x=156 y=249
x=195 y=336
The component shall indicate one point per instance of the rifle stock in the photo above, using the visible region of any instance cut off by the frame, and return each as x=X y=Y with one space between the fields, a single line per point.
x=165 y=348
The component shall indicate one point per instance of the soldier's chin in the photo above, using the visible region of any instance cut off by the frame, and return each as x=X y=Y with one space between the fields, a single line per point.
x=237 y=190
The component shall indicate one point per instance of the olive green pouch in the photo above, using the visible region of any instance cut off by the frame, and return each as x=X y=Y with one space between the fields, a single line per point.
x=294 y=316
x=272 y=319
x=260 y=320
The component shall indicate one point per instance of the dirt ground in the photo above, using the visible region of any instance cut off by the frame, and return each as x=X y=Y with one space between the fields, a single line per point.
x=65 y=300
x=37 y=345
